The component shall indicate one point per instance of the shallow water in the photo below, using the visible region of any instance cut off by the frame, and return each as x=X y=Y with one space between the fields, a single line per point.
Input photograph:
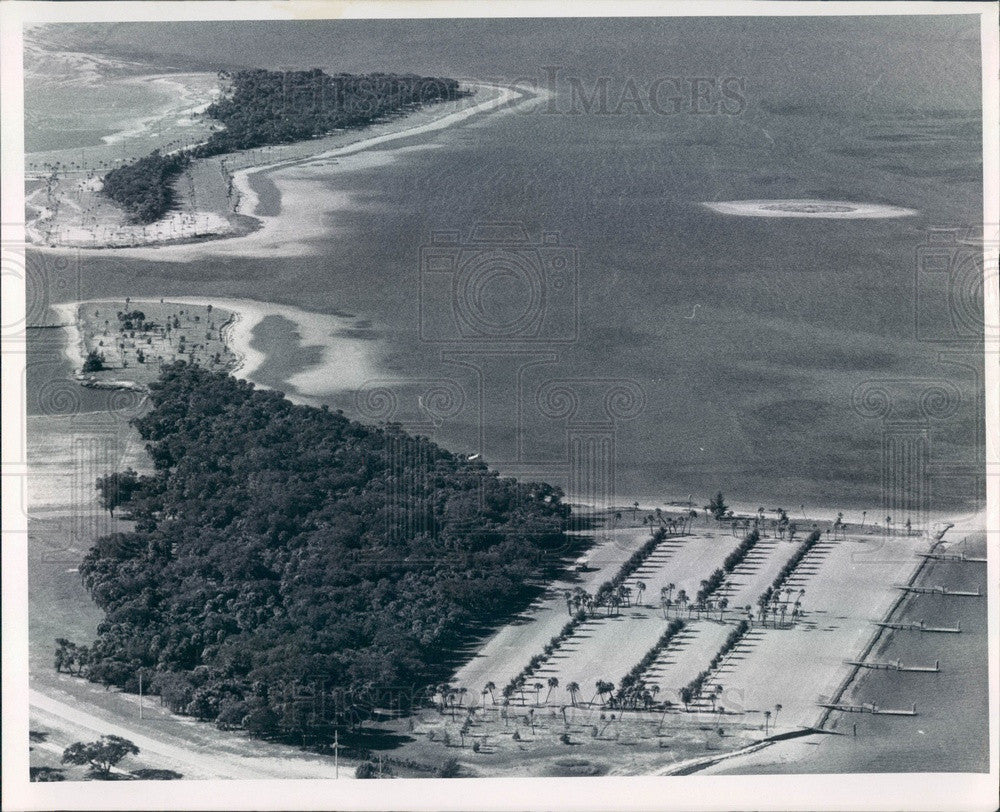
x=738 y=342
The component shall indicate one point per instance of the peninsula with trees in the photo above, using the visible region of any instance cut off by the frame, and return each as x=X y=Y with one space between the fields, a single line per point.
x=285 y=559
x=264 y=108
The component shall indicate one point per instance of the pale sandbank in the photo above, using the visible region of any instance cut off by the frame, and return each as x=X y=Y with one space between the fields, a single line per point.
x=816 y=209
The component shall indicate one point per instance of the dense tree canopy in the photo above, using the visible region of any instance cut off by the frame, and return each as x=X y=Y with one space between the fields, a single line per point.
x=143 y=188
x=290 y=569
x=261 y=108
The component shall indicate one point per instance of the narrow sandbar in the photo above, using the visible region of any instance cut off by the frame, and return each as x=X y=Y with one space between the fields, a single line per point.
x=818 y=209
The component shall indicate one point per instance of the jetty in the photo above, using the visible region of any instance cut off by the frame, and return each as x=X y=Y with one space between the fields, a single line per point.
x=898 y=666
x=872 y=708
x=938 y=590
x=971 y=559
x=918 y=627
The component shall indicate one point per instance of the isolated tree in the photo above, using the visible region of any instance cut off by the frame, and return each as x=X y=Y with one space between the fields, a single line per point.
x=553 y=682
x=490 y=687
x=717 y=507
x=640 y=588
x=574 y=689
x=686 y=696
x=102 y=755
x=767 y=718
x=94 y=362
x=683 y=600
x=665 y=601
x=777 y=710
x=117 y=488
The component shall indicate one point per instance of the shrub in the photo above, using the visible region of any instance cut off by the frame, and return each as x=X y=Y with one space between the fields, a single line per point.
x=94 y=362
x=366 y=769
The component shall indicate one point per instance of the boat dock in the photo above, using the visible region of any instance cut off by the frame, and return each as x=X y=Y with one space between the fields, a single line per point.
x=873 y=709
x=898 y=666
x=938 y=590
x=953 y=557
x=918 y=627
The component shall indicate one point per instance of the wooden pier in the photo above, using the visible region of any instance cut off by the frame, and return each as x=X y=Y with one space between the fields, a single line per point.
x=872 y=708
x=918 y=627
x=939 y=590
x=898 y=666
x=953 y=557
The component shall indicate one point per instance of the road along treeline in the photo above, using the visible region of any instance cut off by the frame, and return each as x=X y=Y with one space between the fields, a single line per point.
x=262 y=108
x=290 y=570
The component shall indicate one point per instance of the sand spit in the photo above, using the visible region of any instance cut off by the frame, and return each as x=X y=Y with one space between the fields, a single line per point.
x=297 y=171
x=346 y=363
x=825 y=209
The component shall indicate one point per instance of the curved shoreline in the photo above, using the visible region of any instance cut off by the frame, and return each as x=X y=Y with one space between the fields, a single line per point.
x=347 y=363
x=286 y=232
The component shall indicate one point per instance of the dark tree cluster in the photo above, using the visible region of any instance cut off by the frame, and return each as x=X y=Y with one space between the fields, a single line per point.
x=144 y=188
x=262 y=108
x=290 y=569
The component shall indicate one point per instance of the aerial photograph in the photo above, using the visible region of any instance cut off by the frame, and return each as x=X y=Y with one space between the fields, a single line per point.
x=506 y=397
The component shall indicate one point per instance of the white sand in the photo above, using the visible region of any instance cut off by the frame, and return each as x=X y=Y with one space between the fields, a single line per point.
x=827 y=209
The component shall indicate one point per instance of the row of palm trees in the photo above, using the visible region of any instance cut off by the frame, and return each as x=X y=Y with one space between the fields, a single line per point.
x=670 y=604
x=777 y=608
x=579 y=599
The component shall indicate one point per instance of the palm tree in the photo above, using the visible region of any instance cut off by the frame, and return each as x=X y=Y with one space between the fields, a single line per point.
x=635 y=510
x=640 y=587
x=491 y=687
x=553 y=682
x=767 y=718
x=538 y=691
x=602 y=689
x=777 y=710
x=683 y=600
x=723 y=604
x=574 y=689
x=685 y=693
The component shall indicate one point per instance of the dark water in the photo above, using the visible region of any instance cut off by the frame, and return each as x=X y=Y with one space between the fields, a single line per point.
x=738 y=342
